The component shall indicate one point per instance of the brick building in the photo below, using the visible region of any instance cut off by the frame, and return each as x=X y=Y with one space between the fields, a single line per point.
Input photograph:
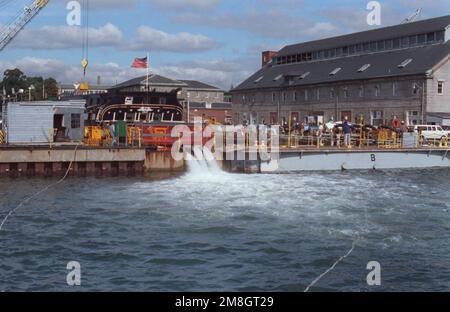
x=402 y=71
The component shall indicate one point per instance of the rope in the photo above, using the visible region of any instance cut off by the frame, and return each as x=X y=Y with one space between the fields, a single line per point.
x=344 y=256
x=41 y=191
x=333 y=266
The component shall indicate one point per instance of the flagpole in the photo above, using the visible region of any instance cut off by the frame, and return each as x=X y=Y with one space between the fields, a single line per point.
x=148 y=74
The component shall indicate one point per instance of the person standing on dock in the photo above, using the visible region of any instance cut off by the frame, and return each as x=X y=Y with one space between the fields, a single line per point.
x=112 y=133
x=347 y=132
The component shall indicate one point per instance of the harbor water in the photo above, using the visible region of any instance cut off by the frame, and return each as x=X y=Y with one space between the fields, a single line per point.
x=207 y=230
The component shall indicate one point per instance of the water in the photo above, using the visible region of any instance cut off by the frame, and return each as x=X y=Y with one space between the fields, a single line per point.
x=213 y=231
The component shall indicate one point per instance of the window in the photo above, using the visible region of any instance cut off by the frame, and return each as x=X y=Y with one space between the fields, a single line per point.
x=388 y=44
x=366 y=66
x=396 y=44
x=278 y=77
x=306 y=95
x=377 y=118
x=421 y=39
x=346 y=93
x=284 y=97
x=394 y=88
x=75 y=121
x=334 y=72
x=259 y=79
x=351 y=50
x=415 y=89
x=405 y=63
x=318 y=94
x=405 y=42
x=294 y=96
x=373 y=46
x=441 y=87
x=380 y=45
x=304 y=75
x=273 y=97
x=430 y=37
x=377 y=91
x=332 y=93
x=366 y=47
x=361 y=91
x=412 y=40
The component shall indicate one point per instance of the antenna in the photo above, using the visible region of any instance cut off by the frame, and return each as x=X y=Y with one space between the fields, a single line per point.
x=413 y=17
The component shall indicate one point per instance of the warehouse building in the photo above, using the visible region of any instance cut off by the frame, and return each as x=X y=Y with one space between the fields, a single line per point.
x=400 y=71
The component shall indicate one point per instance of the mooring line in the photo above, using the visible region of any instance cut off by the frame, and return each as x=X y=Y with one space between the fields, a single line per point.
x=333 y=266
x=41 y=191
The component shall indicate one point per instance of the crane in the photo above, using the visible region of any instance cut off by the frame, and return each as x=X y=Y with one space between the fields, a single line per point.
x=29 y=12
x=415 y=16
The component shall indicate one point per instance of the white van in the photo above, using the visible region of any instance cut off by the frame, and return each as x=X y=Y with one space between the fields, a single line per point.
x=431 y=132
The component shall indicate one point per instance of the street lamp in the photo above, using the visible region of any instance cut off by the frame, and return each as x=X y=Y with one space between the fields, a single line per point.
x=29 y=92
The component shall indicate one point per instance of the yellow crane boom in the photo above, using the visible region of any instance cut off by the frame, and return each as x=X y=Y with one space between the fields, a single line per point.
x=29 y=12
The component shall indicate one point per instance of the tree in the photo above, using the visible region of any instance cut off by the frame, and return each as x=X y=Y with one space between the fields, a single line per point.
x=39 y=87
x=13 y=79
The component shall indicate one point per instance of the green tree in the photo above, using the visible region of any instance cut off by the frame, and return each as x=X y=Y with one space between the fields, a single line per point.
x=13 y=79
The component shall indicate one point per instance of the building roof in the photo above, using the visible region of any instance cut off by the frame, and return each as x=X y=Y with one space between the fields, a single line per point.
x=164 y=81
x=194 y=84
x=91 y=87
x=419 y=59
x=381 y=65
x=390 y=32
x=152 y=80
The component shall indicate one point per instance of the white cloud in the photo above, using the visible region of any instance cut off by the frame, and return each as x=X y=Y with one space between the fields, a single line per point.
x=64 y=37
x=153 y=39
x=220 y=73
x=272 y=24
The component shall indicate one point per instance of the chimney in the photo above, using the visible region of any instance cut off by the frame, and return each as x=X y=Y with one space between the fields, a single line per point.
x=99 y=80
x=267 y=57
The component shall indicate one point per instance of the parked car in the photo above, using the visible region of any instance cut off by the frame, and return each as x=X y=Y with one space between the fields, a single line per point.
x=431 y=132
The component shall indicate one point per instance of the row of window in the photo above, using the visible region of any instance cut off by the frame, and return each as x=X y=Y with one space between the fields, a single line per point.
x=334 y=72
x=140 y=116
x=364 y=48
x=310 y=94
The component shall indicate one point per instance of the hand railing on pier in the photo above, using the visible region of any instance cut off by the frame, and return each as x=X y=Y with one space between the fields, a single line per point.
x=2 y=137
x=361 y=137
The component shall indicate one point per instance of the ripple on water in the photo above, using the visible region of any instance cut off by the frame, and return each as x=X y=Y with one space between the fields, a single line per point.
x=230 y=232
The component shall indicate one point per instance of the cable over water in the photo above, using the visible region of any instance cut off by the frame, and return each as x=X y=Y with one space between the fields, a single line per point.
x=26 y=200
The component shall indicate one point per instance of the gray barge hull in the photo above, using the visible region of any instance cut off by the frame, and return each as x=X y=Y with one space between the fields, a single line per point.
x=332 y=160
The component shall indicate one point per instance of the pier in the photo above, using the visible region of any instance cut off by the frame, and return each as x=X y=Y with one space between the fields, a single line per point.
x=29 y=161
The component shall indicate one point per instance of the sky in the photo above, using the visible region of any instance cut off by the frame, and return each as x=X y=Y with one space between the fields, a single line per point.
x=215 y=41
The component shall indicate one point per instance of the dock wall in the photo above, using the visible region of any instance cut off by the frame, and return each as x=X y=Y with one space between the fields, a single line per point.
x=17 y=161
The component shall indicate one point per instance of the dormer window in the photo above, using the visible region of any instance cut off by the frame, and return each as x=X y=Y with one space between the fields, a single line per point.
x=365 y=67
x=334 y=72
x=278 y=77
x=259 y=79
x=405 y=63
x=305 y=75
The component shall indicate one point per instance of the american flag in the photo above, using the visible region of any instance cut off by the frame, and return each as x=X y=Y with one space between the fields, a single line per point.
x=140 y=63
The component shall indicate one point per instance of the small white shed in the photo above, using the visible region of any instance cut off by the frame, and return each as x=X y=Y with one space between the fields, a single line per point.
x=37 y=122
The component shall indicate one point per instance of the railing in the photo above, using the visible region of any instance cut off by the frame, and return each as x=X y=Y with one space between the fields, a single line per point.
x=384 y=138
x=2 y=137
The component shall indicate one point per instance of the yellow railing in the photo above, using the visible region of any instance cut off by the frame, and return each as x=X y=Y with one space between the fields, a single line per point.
x=2 y=138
